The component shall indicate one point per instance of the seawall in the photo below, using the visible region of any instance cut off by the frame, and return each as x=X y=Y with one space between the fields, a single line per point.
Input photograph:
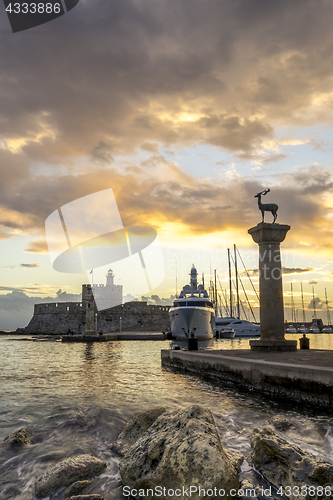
x=301 y=377
x=59 y=318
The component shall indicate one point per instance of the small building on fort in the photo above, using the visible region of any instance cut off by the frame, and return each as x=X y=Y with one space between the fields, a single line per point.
x=108 y=295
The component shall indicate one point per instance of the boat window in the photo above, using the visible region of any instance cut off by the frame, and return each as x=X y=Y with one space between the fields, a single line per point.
x=236 y=322
x=196 y=303
x=199 y=303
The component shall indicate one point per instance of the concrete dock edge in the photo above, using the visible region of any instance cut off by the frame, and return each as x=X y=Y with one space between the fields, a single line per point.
x=300 y=383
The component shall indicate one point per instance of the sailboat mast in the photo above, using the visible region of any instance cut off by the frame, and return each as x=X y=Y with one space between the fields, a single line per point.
x=292 y=304
x=215 y=290
x=314 y=304
x=237 y=291
x=176 y=278
x=328 y=313
x=230 y=285
x=304 y=320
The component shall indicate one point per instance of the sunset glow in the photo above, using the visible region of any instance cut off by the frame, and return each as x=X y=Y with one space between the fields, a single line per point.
x=186 y=114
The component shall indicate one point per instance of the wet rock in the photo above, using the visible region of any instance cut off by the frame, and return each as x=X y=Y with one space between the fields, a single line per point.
x=18 y=438
x=77 y=488
x=11 y=492
x=68 y=472
x=250 y=491
x=135 y=428
x=251 y=479
x=180 y=449
x=280 y=423
x=86 y=497
x=284 y=464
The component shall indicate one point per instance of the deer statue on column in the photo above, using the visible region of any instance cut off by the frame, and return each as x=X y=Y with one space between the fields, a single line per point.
x=266 y=207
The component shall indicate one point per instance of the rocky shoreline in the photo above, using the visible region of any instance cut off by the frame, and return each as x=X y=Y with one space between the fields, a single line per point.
x=175 y=454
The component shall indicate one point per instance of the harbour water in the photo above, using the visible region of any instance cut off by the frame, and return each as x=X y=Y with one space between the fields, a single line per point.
x=75 y=398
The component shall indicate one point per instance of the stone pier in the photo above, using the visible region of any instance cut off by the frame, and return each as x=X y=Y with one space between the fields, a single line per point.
x=269 y=237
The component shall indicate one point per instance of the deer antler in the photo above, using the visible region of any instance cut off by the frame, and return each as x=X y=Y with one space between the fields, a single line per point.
x=262 y=193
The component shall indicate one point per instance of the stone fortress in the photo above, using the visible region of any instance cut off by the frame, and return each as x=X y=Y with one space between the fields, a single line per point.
x=61 y=318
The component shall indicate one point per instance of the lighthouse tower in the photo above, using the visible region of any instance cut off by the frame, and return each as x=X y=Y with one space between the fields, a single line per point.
x=110 y=278
x=108 y=295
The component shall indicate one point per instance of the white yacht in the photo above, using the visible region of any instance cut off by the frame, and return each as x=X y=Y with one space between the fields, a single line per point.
x=192 y=312
x=242 y=327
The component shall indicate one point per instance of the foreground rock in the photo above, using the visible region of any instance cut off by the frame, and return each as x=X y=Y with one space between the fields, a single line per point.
x=180 y=449
x=135 y=428
x=280 y=423
x=86 y=497
x=284 y=464
x=67 y=472
x=77 y=488
x=19 y=438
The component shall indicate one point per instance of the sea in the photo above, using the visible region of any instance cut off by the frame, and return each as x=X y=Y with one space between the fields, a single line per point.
x=76 y=397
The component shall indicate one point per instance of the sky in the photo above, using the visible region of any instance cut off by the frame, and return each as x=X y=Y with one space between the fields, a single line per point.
x=186 y=109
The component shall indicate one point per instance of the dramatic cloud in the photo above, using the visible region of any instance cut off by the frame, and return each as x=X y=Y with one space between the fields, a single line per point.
x=317 y=303
x=118 y=75
x=29 y=265
x=161 y=193
x=285 y=270
x=155 y=299
x=131 y=95
x=22 y=305
x=296 y=270
x=23 y=265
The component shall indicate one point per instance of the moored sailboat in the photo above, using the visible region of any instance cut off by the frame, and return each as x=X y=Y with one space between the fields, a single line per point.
x=303 y=328
x=243 y=328
x=314 y=328
x=328 y=328
x=292 y=329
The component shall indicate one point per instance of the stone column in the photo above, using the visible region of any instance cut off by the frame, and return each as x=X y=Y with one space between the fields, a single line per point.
x=269 y=237
x=88 y=300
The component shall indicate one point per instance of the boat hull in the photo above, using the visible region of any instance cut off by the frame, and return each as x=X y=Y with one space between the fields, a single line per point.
x=188 y=318
x=242 y=328
x=255 y=332
x=225 y=334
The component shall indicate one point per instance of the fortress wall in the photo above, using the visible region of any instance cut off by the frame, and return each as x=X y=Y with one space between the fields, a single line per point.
x=57 y=307
x=135 y=316
x=56 y=323
x=58 y=318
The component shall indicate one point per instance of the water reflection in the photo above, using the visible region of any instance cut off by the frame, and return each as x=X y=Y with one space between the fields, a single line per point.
x=75 y=397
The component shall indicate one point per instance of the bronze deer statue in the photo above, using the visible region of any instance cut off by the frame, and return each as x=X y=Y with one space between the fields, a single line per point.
x=266 y=207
